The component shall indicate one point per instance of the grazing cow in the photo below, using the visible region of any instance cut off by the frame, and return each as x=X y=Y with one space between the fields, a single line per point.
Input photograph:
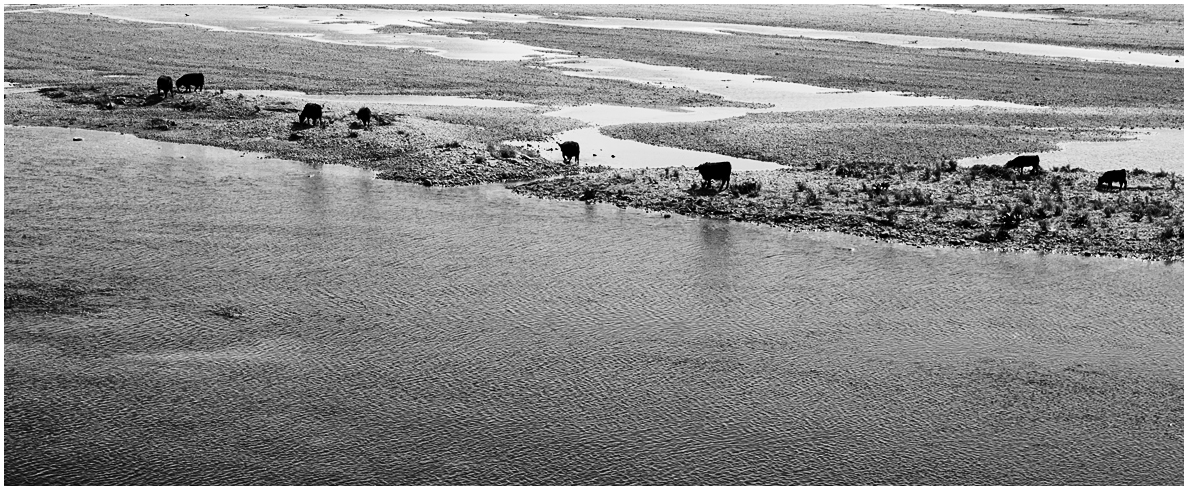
x=1112 y=176
x=364 y=115
x=191 y=81
x=711 y=171
x=570 y=149
x=312 y=112
x=164 y=84
x=1024 y=161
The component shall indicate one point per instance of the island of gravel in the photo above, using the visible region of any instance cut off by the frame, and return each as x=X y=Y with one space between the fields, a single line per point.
x=888 y=174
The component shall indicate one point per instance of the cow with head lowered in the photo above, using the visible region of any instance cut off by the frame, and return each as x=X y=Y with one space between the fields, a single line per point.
x=192 y=82
x=364 y=115
x=1108 y=178
x=570 y=149
x=1025 y=161
x=711 y=171
x=312 y=113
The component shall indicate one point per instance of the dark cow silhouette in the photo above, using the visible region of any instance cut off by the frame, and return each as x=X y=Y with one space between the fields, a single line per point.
x=311 y=112
x=1112 y=176
x=364 y=115
x=570 y=149
x=1024 y=161
x=164 y=84
x=191 y=81
x=711 y=171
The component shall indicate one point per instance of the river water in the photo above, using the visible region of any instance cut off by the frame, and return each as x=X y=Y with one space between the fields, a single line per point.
x=395 y=334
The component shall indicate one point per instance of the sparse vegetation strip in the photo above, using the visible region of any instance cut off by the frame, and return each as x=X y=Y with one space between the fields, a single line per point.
x=937 y=204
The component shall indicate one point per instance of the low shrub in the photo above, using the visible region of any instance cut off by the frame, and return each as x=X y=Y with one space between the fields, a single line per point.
x=748 y=188
x=991 y=236
x=1172 y=231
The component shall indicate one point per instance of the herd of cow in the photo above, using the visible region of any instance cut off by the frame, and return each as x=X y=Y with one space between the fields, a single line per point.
x=311 y=114
x=1107 y=178
x=191 y=81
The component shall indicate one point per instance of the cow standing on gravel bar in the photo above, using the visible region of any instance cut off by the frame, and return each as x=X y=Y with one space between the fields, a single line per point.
x=164 y=84
x=191 y=81
x=570 y=149
x=1108 y=179
x=1024 y=161
x=364 y=115
x=711 y=171
x=312 y=113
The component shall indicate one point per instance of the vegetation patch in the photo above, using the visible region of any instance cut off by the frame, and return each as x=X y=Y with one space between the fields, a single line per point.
x=1056 y=212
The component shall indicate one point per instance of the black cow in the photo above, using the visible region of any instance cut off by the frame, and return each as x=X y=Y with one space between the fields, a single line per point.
x=570 y=149
x=1112 y=176
x=191 y=81
x=311 y=112
x=364 y=115
x=1024 y=161
x=711 y=171
x=164 y=84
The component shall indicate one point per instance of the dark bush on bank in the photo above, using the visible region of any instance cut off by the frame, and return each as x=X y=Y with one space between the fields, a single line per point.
x=990 y=236
x=992 y=172
x=747 y=188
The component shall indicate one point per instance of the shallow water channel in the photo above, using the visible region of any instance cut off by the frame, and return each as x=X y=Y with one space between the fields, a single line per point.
x=397 y=334
x=356 y=26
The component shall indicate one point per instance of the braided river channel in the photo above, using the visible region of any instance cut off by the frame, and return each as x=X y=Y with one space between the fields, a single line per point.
x=387 y=333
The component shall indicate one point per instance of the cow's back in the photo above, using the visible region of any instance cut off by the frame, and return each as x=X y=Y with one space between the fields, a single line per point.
x=195 y=80
x=1023 y=161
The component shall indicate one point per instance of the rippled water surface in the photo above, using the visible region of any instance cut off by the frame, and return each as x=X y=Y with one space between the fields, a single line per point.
x=396 y=334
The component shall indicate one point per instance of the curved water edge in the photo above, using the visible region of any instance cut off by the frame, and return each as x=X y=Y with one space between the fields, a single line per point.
x=1152 y=150
x=781 y=96
x=354 y=26
x=392 y=330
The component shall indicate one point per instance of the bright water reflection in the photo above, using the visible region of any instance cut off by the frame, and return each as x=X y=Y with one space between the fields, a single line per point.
x=396 y=334
x=1151 y=149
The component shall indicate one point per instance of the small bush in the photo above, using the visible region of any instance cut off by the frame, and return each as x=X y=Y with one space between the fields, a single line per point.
x=989 y=236
x=968 y=221
x=1010 y=216
x=1174 y=230
x=811 y=198
x=1045 y=226
x=748 y=188
x=1079 y=220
